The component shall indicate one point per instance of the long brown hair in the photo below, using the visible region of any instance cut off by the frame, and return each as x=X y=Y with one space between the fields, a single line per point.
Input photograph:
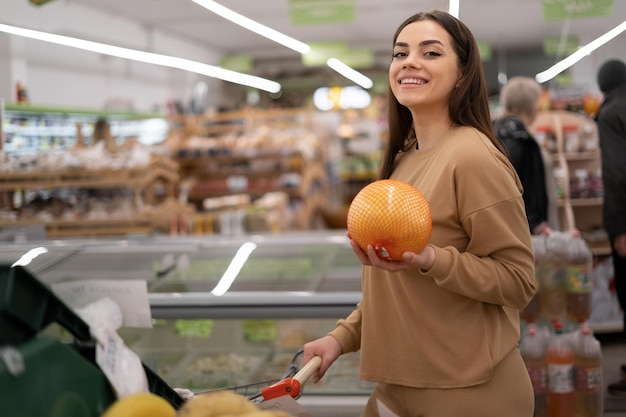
x=469 y=105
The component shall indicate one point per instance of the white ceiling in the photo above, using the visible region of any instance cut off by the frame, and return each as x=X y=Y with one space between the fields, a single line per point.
x=509 y=25
x=500 y=23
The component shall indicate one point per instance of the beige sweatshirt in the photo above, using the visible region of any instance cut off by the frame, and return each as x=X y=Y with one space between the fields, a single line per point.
x=448 y=327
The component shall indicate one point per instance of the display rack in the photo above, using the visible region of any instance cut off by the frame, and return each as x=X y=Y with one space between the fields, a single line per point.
x=572 y=140
x=254 y=153
x=152 y=188
x=31 y=129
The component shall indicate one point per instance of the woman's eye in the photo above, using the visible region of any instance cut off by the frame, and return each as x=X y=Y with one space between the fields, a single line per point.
x=399 y=54
x=432 y=53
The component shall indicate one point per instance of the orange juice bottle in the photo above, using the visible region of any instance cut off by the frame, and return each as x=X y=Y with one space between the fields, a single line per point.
x=560 y=362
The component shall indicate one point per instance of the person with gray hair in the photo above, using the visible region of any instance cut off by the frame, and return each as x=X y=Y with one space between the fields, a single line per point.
x=519 y=99
x=611 y=120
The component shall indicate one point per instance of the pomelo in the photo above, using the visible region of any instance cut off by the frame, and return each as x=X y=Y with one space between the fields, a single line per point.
x=391 y=215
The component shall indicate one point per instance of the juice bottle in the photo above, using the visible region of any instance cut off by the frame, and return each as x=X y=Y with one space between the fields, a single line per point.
x=588 y=374
x=553 y=277
x=533 y=350
x=579 y=283
x=560 y=362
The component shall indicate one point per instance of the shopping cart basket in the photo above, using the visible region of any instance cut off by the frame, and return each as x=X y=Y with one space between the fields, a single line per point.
x=291 y=382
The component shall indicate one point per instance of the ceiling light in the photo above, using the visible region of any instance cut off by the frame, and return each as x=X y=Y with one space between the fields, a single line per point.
x=453 y=8
x=254 y=26
x=350 y=73
x=282 y=39
x=564 y=64
x=148 y=57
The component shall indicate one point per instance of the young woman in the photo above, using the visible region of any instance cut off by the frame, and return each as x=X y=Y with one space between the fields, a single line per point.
x=438 y=331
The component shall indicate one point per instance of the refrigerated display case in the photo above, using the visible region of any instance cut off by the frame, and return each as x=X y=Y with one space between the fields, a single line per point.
x=292 y=288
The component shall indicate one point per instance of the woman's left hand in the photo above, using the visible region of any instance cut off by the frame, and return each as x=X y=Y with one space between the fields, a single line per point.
x=423 y=260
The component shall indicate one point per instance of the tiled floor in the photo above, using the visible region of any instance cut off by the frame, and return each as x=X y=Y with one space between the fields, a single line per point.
x=613 y=355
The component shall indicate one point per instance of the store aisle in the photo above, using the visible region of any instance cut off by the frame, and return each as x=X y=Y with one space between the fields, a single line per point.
x=613 y=355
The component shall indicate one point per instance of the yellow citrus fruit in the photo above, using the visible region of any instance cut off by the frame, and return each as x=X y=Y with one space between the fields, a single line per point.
x=391 y=215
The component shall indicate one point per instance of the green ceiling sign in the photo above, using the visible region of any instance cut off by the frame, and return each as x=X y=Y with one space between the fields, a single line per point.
x=39 y=2
x=239 y=63
x=554 y=45
x=572 y=9
x=485 y=51
x=316 y=12
x=321 y=51
x=353 y=57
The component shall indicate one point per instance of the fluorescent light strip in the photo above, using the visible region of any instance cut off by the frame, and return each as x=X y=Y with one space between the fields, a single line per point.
x=281 y=38
x=349 y=73
x=148 y=57
x=564 y=64
x=453 y=8
x=254 y=26
x=234 y=268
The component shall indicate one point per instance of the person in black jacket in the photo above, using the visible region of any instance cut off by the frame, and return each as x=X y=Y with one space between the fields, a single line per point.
x=611 y=121
x=520 y=100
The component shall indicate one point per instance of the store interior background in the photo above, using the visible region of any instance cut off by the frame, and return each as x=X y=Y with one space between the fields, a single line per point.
x=60 y=77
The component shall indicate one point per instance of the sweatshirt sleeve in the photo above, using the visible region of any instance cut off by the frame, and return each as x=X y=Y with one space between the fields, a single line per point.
x=497 y=264
x=348 y=331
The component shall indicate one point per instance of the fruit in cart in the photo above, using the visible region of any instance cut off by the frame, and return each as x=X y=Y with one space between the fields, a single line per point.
x=263 y=413
x=217 y=404
x=142 y=404
x=391 y=215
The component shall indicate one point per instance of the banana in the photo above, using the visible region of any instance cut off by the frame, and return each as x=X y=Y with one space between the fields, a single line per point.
x=217 y=404
x=143 y=404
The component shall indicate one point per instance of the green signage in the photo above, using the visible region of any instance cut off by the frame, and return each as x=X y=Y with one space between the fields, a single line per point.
x=315 y=12
x=554 y=45
x=321 y=51
x=353 y=57
x=358 y=58
x=484 y=49
x=39 y=2
x=572 y=9
x=194 y=328
x=239 y=63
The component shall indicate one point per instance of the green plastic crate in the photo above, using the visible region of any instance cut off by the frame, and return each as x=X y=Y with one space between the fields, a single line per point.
x=56 y=377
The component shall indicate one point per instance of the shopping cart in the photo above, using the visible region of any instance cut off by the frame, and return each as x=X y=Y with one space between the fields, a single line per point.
x=291 y=382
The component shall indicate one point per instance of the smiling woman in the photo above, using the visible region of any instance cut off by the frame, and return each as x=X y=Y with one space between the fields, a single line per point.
x=467 y=285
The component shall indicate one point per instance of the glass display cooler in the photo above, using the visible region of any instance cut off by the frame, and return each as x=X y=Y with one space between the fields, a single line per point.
x=227 y=312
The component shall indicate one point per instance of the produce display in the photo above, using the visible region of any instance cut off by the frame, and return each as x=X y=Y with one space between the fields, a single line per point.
x=143 y=404
x=212 y=404
x=224 y=404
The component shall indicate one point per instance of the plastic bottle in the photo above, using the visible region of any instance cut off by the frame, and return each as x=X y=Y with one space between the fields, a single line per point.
x=579 y=283
x=588 y=374
x=560 y=362
x=533 y=350
x=553 y=277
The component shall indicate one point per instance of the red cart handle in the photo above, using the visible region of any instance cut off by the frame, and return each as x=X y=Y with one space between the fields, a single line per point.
x=293 y=386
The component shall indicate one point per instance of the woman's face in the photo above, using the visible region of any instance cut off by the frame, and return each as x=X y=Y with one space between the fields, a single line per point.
x=424 y=68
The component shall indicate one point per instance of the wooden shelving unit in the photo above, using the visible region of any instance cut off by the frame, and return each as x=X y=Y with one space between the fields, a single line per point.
x=581 y=210
x=254 y=152
x=152 y=186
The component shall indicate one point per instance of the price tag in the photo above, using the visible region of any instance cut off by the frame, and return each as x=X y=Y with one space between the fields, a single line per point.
x=260 y=330
x=194 y=328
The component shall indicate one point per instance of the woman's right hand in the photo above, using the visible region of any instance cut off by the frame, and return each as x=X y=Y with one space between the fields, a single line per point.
x=328 y=348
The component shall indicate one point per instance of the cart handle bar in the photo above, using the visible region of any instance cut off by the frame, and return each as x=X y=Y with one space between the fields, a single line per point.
x=293 y=386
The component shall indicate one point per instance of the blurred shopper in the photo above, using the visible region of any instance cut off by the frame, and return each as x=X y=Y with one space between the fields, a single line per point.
x=519 y=99
x=611 y=120
x=438 y=331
